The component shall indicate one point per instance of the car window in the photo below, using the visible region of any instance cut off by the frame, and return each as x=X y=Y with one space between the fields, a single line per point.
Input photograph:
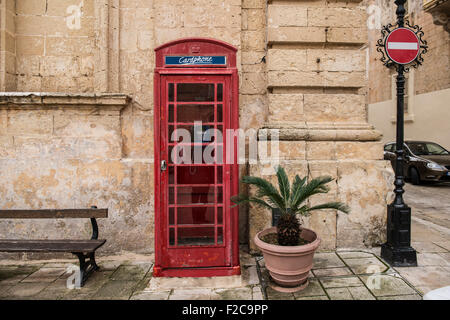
x=418 y=148
x=426 y=149
x=389 y=147
x=435 y=149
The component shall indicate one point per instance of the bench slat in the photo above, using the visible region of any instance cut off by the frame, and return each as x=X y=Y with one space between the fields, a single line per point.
x=54 y=214
x=85 y=246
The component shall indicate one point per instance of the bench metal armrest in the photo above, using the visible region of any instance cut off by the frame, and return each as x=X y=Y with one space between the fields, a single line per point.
x=94 y=226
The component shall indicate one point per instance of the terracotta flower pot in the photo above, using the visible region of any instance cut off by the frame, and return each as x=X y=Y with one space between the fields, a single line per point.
x=289 y=266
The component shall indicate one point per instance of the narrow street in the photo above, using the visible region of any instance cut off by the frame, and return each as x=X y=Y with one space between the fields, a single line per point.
x=431 y=208
x=430 y=233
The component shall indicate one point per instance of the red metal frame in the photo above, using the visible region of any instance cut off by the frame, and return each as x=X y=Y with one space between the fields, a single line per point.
x=196 y=261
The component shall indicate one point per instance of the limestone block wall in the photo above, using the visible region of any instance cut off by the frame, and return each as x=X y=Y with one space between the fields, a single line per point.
x=7 y=46
x=316 y=93
x=61 y=144
x=65 y=151
x=431 y=76
x=76 y=111
x=55 y=43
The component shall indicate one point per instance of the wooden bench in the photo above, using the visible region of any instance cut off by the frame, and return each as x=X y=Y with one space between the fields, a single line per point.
x=83 y=249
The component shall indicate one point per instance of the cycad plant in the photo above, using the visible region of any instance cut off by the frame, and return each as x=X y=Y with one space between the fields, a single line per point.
x=291 y=201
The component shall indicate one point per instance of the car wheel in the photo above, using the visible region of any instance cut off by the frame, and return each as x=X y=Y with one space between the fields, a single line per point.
x=415 y=177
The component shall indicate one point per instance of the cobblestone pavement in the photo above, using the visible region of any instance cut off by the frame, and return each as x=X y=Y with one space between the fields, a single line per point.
x=121 y=278
x=348 y=275
x=336 y=275
x=430 y=235
x=345 y=274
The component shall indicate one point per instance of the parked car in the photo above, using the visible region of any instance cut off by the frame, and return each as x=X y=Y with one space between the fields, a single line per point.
x=424 y=161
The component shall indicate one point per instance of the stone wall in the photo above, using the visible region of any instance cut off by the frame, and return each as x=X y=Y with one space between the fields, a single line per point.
x=428 y=87
x=431 y=76
x=301 y=68
x=65 y=151
x=316 y=84
x=7 y=46
x=55 y=43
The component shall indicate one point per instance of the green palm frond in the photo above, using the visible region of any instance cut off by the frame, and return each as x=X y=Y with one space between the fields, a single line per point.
x=296 y=190
x=245 y=199
x=283 y=185
x=266 y=189
x=289 y=199
x=315 y=186
x=330 y=205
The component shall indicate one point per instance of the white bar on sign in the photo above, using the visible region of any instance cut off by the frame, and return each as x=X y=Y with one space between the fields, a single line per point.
x=403 y=45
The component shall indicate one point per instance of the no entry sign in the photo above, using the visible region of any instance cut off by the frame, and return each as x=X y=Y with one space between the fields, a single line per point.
x=402 y=46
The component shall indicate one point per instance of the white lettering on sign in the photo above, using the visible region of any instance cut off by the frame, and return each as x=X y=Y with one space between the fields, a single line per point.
x=196 y=60
x=403 y=45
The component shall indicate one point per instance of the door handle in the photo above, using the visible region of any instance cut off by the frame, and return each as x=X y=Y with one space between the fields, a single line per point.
x=163 y=165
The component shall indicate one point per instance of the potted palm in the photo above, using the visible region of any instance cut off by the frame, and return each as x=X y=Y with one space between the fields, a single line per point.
x=288 y=248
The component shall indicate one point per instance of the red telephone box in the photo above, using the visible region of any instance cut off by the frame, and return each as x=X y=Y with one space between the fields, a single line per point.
x=196 y=102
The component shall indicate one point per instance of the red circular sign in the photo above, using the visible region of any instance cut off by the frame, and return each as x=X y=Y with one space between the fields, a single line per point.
x=402 y=46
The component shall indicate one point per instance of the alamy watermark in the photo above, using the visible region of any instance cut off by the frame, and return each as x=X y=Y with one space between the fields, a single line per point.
x=202 y=144
x=374 y=281
x=74 y=279
x=75 y=12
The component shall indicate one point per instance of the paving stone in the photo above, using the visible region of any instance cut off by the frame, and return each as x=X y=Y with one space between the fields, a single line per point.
x=77 y=295
x=4 y=290
x=335 y=282
x=354 y=254
x=63 y=265
x=143 y=284
x=431 y=259
x=257 y=293
x=247 y=260
x=15 y=274
x=261 y=262
x=115 y=290
x=404 y=297
x=14 y=279
x=360 y=293
x=192 y=294
x=313 y=289
x=327 y=260
x=165 y=283
x=160 y=295
x=366 y=265
x=443 y=244
x=23 y=290
x=265 y=275
x=386 y=285
x=51 y=294
x=45 y=275
x=250 y=275
x=275 y=295
x=422 y=247
x=430 y=276
x=234 y=294
x=96 y=280
x=313 y=298
x=328 y=272
x=129 y=273
x=109 y=265
x=144 y=266
x=446 y=256
x=424 y=290
x=339 y=294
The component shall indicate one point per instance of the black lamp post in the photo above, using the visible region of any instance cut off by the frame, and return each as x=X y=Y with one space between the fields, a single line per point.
x=397 y=250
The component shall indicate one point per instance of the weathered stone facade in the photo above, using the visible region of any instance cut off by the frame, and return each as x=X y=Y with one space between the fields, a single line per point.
x=428 y=87
x=90 y=140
